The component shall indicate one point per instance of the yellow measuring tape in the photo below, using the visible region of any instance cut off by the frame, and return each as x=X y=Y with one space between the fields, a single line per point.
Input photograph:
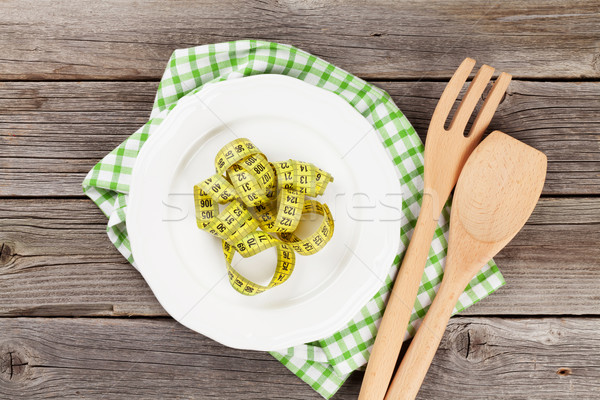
x=261 y=195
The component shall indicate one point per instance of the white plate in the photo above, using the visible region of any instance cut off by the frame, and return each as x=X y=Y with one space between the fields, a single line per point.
x=286 y=118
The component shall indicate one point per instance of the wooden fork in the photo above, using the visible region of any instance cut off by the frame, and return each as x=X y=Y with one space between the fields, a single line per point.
x=446 y=151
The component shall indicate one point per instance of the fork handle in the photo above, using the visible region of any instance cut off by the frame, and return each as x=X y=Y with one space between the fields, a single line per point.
x=400 y=304
x=422 y=349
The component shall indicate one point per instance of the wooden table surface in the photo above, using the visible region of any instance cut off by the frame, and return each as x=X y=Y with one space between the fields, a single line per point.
x=76 y=78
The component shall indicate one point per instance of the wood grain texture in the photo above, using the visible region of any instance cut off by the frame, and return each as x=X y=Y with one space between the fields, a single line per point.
x=51 y=134
x=552 y=265
x=515 y=359
x=56 y=260
x=558 y=118
x=157 y=358
x=120 y=39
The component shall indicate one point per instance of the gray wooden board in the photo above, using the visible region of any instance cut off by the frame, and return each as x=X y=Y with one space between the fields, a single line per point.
x=120 y=39
x=52 y=133
x=65 y=114
x=57 y=260
x=95 y=358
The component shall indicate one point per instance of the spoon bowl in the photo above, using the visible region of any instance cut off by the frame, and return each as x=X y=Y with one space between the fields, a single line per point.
x=495 y=195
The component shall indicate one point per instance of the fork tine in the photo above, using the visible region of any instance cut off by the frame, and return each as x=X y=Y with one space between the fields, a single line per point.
x=450 y=93
x=489 y=106
x=468 y=103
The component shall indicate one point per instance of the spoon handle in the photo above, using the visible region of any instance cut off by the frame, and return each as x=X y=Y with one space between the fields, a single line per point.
x=414 y=365
x=399 y=307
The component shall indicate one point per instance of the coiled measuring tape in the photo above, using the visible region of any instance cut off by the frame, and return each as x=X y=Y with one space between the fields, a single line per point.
x=266 y=196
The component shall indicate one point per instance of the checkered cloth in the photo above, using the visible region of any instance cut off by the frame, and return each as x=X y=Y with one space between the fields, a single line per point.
x=327 y=363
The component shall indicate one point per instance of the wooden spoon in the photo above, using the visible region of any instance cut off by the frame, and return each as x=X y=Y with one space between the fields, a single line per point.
x=496 y=193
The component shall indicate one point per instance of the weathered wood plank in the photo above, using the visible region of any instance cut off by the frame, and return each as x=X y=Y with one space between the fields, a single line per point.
x=119 y=39
x=516 y=359
x=51 y=134
x=56 y=260
x=560 y=119
x=552 y=266
x=93 y=358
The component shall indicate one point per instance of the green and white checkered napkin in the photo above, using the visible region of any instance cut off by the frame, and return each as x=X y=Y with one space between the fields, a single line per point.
x=327 y=363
